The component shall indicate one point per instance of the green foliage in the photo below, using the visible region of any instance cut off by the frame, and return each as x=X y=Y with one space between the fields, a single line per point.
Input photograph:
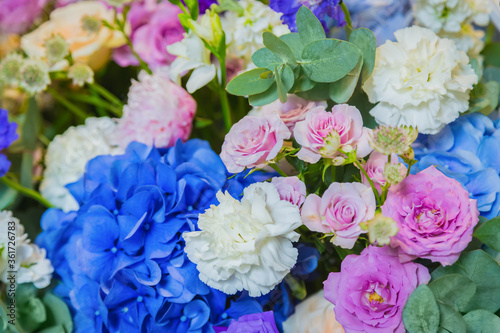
x=490 y=53
x=323 y=68
x=489 y=233
x=482 y=321
x=421 y=313
x=450 y=320
x=455 y=290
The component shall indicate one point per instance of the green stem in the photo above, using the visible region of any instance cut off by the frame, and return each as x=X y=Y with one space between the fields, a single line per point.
x=106 y=94
x=278 y=169
x=346 y=14
x=96 y=101
x=71 y=107
x=26 y=191
x=226 y=111
x=490 y=31
x=375 y=192
x=333 y=169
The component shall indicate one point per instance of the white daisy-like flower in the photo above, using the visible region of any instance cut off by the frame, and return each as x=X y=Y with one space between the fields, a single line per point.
x=245 y=245
x=68 y=154
x=31 y=263
x=421 y=81
x=34 y=76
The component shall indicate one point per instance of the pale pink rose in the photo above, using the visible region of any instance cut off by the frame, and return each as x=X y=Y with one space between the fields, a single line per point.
x=340 y=211
x=252 y=141
x=291 y=189
x=364 y=147
x=314 y=315
x=375 y=166
x=323 y=133
x=294 y=110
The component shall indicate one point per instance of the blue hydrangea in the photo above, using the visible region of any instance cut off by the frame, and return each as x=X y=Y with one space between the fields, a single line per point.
x=328 y=12
x=7 y=136
x=467 y=150
x=120 y=257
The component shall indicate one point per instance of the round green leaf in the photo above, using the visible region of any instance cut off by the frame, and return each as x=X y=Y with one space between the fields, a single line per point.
x=57 y=313
x=454 y=289
x=342 y=90
x=329 y=60
x=308 y=26
x=295 y=43
x=365 y=40
x=284 y=81
x=265 y=58
x=451 y=320
x=421 y=313
x=251 y=82
x=268 y=96
x=279 y=48
x=489 y=233
x=482 y=321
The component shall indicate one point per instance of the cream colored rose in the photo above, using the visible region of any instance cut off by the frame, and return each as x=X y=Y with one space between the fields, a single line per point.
x=80 y=25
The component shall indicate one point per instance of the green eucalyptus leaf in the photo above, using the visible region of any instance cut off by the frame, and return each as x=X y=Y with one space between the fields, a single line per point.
x=308 y=25
x=266 y=97
x=7 y=196
x=32 y=314
x=490 y=53
x=329 y=60
x=250 y=83
x=295 y=43
x=284 y=81
x=320 y=92
x=491 y=74
x=57 y=313
x=489 y=233
x=194 y=8
x=303 y=83
x=482 y=321
x=451 y=320
x=421 y=312
x=279 y=48
x=484 y=271
x=265 y=59
x=454 y=289
x=342 y=90
x=365 y=40
x=54 y=329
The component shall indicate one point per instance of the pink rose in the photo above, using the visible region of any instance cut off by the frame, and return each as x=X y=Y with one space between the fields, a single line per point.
x=154 y=26
x=323 y=134
x=17 y=16
x=291 y=189
x=252 y=141
x=375 y=166
x=340 y=211
x=434 y=215
x=363 y=147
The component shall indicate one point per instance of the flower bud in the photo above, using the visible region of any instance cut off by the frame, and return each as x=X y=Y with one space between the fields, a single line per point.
x=81 y=74
x=380 y=229
x=209 y=28
x=34 y=76
x=10 y=69
x=331 y=145
x=56 y=49
x=392 y=173
x=397 y=140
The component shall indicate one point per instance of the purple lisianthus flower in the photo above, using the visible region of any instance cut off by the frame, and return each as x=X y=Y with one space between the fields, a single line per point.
x=154 y=27
x=7 y=136
x=253 y=323
x=371 y=290
x=328 y=12
x=17 y=16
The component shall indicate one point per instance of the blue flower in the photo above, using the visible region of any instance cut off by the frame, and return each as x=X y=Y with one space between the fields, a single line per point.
x=467 y=150
x=7 y=136
x=328 y=12
x=126 y=243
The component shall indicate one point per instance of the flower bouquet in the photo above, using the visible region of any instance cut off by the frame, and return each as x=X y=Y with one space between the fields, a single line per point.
x=234 y=166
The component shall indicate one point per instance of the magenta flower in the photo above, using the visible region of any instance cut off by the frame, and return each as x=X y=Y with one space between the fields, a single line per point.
x=434 y=215
x=252 y=141
x=17 y=16
x=340 y=211
x=371 y=290
x=252 y=323
x=291 y=189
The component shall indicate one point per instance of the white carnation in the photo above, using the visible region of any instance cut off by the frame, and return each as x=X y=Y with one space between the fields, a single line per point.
x=31 y=263
x=421 y=80
x=68 y=154
x=245 y=245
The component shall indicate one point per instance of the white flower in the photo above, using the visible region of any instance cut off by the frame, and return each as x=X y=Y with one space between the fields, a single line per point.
x=191 y=54
x=30 y=262
x=244 y=30
x=68 y=154
x=421 y=80
x=245 y=245
x=468 y=39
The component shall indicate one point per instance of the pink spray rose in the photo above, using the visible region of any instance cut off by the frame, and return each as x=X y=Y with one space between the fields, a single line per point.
x=323 y=133
x=375 y=166
x=294 y=110
x=340 y=211
x=371 y=290
x=159 y=112
x=291 y=189
x=154 y=26
x=252 y=141
x=17 y=16
x=364 y=147
x=434 y=215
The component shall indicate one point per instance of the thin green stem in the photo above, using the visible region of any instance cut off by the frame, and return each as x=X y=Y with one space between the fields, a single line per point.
x=278 y=169
x=333 y=169
x=226 y=110
x=375 y=192
x=71 y=107
x=490 y=31
x=26 y=191
x=106 y=94
x=96 y=101
x=346 y=14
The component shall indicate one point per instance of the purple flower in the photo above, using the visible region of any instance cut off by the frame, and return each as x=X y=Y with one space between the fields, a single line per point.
x=17 y=16
x=327 y=11
x=7 y=136
x=371 y=290
x=253 y=323
x=434 y=215
x=205 y=4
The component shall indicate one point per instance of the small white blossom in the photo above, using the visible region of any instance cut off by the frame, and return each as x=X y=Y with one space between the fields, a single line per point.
x=34 y=76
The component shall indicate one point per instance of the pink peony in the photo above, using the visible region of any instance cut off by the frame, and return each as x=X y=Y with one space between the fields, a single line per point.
x=154 y=26
x=17 y=16
x=434 y=215
x=323 y=133
x=291 y=189
x=375 y=166
x=159 y=112
x=372 y=289
x=252 y=141
x=340 y=211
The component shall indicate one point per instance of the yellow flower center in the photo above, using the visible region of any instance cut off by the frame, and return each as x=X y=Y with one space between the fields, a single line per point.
x=375 y=297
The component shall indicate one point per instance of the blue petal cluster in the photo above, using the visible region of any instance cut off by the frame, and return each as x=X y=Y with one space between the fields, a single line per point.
x=121 y=257
x=469 y=151
x=7 y=136
x=328 y=12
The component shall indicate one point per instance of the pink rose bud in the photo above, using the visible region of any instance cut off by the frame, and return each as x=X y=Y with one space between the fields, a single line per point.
x=252 y=141
x=341 y=210
x=375 y=167
x=324 y=134
x=291 y=189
